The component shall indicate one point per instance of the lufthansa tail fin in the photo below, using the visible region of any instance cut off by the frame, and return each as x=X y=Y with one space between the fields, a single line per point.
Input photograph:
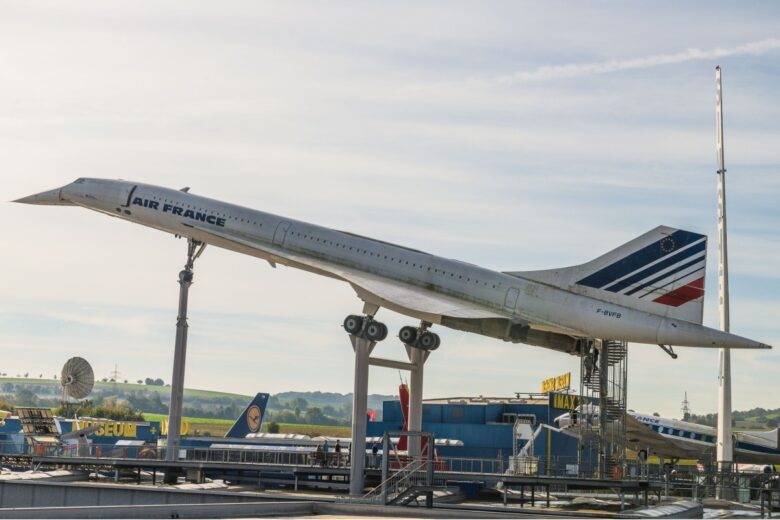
x=251 y=420
x=661 y=272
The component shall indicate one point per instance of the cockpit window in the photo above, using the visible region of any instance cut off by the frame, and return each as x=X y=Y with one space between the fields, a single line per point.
x=79 y=181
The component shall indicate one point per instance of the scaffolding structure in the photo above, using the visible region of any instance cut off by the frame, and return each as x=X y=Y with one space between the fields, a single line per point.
x=602 y=414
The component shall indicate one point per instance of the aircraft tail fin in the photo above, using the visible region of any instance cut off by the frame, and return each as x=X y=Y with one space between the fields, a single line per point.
x=251 y=420
x=661 y=271
x=771 y=437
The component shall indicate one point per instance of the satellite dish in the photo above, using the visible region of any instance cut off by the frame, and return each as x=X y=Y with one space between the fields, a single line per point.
x=77 y=378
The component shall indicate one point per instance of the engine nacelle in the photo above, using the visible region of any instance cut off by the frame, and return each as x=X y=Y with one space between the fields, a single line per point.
x=516 y=333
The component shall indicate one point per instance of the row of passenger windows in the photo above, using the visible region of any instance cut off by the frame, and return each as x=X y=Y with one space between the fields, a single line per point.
x=682 y=433
x=328 y=242
x=391 y=258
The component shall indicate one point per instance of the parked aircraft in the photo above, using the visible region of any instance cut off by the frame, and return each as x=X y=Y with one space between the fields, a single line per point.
x=676 y=439
x=251 y=419
x=649 y=290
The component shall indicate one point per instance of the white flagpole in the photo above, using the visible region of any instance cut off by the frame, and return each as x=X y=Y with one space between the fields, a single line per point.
x=725 y=448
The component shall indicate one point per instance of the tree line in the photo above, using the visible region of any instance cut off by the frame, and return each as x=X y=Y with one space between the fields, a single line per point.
x=762 y=417
x=314 y=408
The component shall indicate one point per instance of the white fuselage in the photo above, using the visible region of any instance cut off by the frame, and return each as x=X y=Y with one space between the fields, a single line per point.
x=521 y=300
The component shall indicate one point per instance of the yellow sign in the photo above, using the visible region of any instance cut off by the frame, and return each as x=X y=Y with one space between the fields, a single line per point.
x=110 y=429
x=565 y=401
x=561 y=382
x=185 y=427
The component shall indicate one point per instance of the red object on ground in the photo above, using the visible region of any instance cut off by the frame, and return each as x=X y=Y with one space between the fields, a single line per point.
x=371 y=415
x=403 y=394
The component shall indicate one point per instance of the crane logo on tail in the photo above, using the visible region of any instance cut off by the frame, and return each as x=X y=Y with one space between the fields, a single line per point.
x=251 y=419
x=253 y=416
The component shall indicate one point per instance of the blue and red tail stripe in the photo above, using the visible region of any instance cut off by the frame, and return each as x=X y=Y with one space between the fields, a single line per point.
x=696 y=263
x=672 y=260
x=680 y=252
x=652 y=288
x=684 y=294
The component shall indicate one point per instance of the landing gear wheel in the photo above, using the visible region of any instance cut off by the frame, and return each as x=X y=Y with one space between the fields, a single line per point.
x=438 y=341
x=384 y=331
x=353 y=324
x=428 y=341
x=376 y=331
x=407 y=335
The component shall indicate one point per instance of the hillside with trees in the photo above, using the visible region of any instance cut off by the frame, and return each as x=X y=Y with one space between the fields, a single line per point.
x=116 y=400
x=753 y=419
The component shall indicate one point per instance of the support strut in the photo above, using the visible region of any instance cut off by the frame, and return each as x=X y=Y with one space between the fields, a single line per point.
x=669 y=350
x=194 y=250
x=362 y=347
x=417 y=358
x=364 y=339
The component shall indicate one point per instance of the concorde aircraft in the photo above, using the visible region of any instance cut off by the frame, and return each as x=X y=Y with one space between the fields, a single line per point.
x=649 y=290
x=683 y=440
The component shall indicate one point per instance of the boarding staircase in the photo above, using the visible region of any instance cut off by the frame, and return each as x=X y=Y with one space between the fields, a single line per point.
x=603 y=382
x=616 y=352
x=401 y=488
x=409 y=495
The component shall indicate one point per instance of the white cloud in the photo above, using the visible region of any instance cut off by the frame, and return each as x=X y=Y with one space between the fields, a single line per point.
x=576 y=70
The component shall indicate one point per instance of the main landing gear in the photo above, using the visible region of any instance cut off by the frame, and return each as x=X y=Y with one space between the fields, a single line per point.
x=419 y=337
x=364 y=333
x=366 y=327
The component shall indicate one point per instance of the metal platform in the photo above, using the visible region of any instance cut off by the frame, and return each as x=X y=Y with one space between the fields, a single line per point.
x=331 y=477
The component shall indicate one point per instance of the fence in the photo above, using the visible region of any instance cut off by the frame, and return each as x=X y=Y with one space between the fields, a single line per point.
x=681 y=481
x=235 y=454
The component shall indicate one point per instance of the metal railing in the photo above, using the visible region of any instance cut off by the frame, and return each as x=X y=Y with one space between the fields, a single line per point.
x=413 y=474
x=556 y=467
x=682 y=481
x=470 y=465
x=238 y=456
x=281 y=457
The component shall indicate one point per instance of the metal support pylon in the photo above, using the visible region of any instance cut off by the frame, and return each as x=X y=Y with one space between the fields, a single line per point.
x=417 y=357
x=194 y=250
x=362 y=347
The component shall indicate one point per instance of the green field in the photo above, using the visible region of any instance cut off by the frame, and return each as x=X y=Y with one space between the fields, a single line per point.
x=219 y=427
x=199 y=420
x=198 y=425
x=313 y=430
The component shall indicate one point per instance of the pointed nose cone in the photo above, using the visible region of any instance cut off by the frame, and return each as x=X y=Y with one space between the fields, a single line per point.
x=47 y=198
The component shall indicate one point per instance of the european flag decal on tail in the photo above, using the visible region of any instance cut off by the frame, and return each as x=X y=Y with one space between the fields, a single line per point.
x=251 y=420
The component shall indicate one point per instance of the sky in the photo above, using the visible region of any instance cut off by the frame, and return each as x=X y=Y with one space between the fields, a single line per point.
x=513 y=135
